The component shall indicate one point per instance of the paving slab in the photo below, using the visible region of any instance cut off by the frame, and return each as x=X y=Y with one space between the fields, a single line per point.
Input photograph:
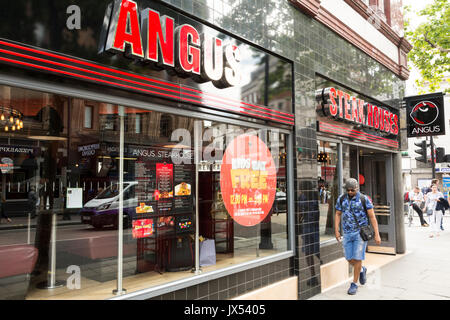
x=419 y=274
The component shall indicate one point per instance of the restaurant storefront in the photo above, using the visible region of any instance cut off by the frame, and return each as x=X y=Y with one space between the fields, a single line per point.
x=358 y=137
x=145 y=168
x=169 y=149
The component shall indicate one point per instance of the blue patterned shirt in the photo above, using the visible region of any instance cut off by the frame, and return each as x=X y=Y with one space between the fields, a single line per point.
x=348 y=220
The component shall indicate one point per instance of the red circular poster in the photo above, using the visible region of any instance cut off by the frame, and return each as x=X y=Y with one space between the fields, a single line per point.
x=248 y=180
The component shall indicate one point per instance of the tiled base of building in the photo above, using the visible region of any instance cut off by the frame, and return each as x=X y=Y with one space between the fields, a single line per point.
x=283 y=290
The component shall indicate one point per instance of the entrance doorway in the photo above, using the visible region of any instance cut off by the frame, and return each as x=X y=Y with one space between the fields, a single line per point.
x=376 y=181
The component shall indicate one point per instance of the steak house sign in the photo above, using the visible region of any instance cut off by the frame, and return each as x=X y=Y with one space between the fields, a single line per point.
x=343 y=106
x=147 y=36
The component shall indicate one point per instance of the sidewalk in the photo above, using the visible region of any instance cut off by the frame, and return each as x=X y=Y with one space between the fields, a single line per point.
x=22 y=222
x=419 y=274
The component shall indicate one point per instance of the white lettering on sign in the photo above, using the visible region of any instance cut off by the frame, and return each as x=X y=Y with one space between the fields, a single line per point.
x=259 y=165
x=239 y=163
x=419 y=130
x=88 y=150
x=16 y=150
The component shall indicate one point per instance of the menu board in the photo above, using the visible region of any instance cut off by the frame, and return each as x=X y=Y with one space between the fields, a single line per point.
x=145 y=188
x=144 y=176
x=183 y=180
x=164 y=180
x=163 y=188
x=143 y=228
x=165 y=224
x=184 y=224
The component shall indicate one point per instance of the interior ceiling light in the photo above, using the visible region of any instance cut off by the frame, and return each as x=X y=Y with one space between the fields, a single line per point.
x=11 y=119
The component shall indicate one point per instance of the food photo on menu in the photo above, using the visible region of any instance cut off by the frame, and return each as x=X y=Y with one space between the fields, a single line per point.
x=143 y=228
x=143 y=208
x=183 y=189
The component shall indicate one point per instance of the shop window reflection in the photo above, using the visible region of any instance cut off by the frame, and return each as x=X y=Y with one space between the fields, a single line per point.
x=327 y=187
x=165 y=125
x=88 y=114
x=61 y=178
x=235 y=240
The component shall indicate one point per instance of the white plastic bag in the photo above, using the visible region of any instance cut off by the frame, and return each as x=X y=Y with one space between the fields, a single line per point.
x=207 y=253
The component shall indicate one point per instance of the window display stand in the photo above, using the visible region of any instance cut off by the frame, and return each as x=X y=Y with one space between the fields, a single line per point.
x=180 y=255
x=51 y=282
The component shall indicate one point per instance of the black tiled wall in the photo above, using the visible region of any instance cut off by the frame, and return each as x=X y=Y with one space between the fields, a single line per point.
x=234 y=285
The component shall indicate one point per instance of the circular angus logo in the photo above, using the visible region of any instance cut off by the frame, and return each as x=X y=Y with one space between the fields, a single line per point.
x=424 y=113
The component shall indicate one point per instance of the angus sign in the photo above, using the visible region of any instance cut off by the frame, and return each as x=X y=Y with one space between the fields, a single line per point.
x=425 y=115
x=147 y=36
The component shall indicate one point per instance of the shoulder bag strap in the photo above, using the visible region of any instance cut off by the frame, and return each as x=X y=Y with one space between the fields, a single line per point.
x=350 y=208
x=354 y=215
x=362 y=198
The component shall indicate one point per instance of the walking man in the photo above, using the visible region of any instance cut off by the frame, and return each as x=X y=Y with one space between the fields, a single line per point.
x=349 y=206
x=416 y=198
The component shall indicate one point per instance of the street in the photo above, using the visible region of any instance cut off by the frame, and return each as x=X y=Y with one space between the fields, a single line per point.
x=63 y=233
x=420 y=274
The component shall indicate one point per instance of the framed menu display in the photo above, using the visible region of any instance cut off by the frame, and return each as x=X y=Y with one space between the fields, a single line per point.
x=164 y=186
x=183 y=180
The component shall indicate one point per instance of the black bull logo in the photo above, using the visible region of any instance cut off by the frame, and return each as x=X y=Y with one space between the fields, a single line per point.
x=424 y=113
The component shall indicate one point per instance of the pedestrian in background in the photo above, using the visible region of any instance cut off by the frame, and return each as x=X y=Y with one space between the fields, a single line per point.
x=415 y=199
x=3 y=211
x=33 y=202
x=436 y=182
x=356 y=210
x=431 y=202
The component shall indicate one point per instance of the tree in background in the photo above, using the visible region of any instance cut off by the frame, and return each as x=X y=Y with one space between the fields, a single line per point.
x=431 y=45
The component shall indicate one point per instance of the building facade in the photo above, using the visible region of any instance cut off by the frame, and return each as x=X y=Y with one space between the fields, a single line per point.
x=194 y=149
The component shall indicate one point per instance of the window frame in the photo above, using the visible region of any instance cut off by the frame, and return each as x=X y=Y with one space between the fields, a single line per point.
x=93 y=95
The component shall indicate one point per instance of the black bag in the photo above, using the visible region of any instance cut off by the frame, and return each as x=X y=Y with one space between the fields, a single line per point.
x=366 y=232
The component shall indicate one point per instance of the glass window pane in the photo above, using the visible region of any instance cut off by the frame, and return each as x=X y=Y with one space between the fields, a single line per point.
x=60 y=176
x=227 y=210
x=328 y=187
x=57 y=169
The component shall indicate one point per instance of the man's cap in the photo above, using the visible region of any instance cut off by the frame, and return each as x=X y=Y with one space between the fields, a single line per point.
x=351 y=183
